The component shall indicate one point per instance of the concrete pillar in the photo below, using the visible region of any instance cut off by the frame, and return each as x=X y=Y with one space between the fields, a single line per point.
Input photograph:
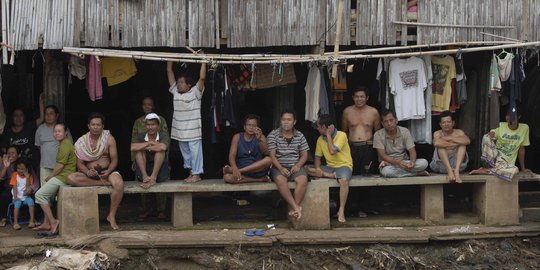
x=315 y=207
x=497 y=201
x=182 y=210
x=432 y=203
x=78 y=211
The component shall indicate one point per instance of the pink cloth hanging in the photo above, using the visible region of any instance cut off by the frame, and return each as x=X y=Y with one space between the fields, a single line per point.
x=93 y=79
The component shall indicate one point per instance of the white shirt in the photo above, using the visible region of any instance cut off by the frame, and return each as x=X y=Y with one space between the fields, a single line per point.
x=186 y=122
x=313 y=89
x=407 y=81
x=21 y=187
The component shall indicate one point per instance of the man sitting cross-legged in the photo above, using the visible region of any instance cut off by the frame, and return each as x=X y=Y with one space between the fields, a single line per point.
x=248 y=156
x=97 y=161
x=450 y=155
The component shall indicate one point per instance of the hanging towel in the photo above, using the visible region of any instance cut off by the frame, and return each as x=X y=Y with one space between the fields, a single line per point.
x=505 y=66
x=93 y=81
x=117 y=70
x=313 y=88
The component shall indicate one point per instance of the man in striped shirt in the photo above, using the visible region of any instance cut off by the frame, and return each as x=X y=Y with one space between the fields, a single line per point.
x=186 y=122
x=289 y=152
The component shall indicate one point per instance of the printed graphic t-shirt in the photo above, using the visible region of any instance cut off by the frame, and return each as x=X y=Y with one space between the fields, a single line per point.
x=508 y=141
x=407 y=84
x=444 y=71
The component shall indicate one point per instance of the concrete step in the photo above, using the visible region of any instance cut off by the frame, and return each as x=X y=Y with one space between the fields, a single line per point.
x=530 y=214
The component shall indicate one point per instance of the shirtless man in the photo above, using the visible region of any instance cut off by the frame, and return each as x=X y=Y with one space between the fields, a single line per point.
x=361 y=121
x=450 y=155
x=97 y=161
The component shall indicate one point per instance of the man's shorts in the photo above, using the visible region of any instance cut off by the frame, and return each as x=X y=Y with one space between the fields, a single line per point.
x=275 y=173
x=341 y=172
x=28 y=202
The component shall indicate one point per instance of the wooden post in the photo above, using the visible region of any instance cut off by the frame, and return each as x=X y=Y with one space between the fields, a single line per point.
x=338 y=35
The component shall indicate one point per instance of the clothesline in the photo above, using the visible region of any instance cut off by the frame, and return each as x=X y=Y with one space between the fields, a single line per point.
x=274 y=59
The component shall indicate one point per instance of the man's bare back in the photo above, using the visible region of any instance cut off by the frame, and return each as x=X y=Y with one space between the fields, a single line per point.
x=360 y=123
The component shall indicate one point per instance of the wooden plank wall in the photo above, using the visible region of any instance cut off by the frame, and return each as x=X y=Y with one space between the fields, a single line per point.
x=153 y=23
x=331 y=22
x=465 y=12
x=374 y=21
x=534 y=20
x=202 y=26
x=273 y=23
x=255 y=23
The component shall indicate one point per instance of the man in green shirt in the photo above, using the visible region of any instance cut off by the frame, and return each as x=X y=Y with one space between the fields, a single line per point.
x=502 y=146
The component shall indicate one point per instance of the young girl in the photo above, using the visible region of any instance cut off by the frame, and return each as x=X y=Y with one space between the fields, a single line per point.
x=21 y=182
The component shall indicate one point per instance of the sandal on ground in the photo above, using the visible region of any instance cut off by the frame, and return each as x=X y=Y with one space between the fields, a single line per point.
x=3 y=222
x=31 y=224
x=16 y=226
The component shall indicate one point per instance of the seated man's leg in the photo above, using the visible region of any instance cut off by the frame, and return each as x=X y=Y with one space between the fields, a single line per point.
x=301 y=180
x=460 y=163
x=343 y=174
x=391 y=171
x=420 y=167
x=283 y=188
x=255 y=172
x=441 y=164
x=117 y=183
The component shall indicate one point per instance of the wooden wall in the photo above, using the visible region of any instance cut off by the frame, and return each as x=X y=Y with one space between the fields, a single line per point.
x=255 y=23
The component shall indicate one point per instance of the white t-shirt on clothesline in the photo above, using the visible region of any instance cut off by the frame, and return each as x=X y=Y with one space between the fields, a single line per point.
x=407 y=81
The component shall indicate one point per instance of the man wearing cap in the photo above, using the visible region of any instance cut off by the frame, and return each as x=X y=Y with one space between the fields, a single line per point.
x=151 y=149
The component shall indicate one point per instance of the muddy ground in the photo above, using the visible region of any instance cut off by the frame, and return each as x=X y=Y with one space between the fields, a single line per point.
x=511 y=253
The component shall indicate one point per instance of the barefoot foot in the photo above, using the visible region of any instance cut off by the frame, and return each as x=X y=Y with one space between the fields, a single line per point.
x=112 y=222
x=341 y=217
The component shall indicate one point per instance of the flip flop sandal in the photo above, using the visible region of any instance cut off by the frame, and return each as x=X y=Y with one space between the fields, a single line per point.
x=256 y=232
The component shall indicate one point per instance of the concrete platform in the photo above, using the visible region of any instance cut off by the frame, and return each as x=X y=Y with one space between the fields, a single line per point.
x=139 y=239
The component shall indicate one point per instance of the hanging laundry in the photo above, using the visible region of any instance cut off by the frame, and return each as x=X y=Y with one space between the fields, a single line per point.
x=324 y=106
x=407 y=84
x=313 y=88
x=421 y=128
x=117 y=70
x=269 y=76
x=505 y=66
x=93 y=80
x=460 y=86
x=494 y=79
x=382 y=77
x=340 y=81
x=512 y=87
x=239 y=76
x=77 y=67
x=444 y=71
